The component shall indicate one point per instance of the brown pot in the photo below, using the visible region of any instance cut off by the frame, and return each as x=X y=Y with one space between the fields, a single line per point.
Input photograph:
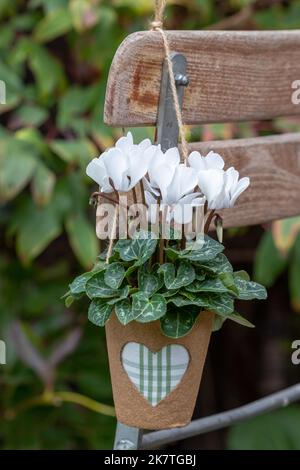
x=176 y=408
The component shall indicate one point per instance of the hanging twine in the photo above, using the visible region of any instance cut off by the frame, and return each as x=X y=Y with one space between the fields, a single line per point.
x=157 y=25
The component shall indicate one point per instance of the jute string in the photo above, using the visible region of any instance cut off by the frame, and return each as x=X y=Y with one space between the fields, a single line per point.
x=157 y=25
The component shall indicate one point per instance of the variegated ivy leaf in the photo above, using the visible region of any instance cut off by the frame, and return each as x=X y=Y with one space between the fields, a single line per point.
x=170 y=293
x=236 y=317
x=248 y=290
x=114 y=275
x=206 y=252
x=221 y=303
x=218 y=265
x=149 y=283
x=121 y=294
x=136 y=249
x=77 y=287
x=123 y=311
x=209 y=285
x=229 y=281
x=97 y=289
x=184 y=276
x=201 y=251
x=99 y=312
x=178 y=323
x=145 y=309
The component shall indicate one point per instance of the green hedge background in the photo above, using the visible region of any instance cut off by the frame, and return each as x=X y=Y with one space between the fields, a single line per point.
x=54 y=58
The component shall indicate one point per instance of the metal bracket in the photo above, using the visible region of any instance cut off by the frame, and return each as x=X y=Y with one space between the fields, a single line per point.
x=167 y=126
x=129 y=438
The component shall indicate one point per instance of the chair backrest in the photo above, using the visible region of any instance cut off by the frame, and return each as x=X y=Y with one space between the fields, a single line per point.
x=234 y=76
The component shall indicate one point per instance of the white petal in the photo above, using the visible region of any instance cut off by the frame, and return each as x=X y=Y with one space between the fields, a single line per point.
x=125 y=143
x=163 y=178
x=214 y=161
x=211 y=183
x=150 y=188
x=150 y=199
x=184 y=181
x=231 y=177
x=142 y=146
x=152 y=206
x=155 y=156
x=172 y=157
x=137 y=171
x=182 y=214
x=196 y=161
x=116 y=165
x=191 y=198
x=239 y=189
x=96 y=170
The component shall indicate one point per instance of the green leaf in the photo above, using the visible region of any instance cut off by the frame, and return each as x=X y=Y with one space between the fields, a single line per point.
x=185 y=274
x=17 y=164
x=229 y=282
x=78 y=151
x=123 y=311
x=36 y=228
x=294 y=276
x=178 y=322
x=149 y=283
x=46 y=69
x=268 y=263
x=218 y=265
x=55 y=24
x=82 y=239
x=277 y=430
x=99 y=312
x=114 y=275
x=248 y=290
x=138 y=250
x=78 y=286
x=242 y=275
x=42 y=184
x=209 y=285
x=237 y=318
x=218 y=322
x=30 y=115
x=201 y=252
x=121 y=294
x=145 y=310
x=69 y=300
x=221 y=303
x=96 y=287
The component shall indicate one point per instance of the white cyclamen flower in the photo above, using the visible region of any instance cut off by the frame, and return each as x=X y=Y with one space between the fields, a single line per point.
x=176 y=191
x=122 y=166
x=220 y=188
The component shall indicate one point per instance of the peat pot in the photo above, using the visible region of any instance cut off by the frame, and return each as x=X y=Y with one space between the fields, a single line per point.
x=155 y=379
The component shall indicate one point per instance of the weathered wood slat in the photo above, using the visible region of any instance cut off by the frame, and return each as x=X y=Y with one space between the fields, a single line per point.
x=234 y=76
x=273 y=165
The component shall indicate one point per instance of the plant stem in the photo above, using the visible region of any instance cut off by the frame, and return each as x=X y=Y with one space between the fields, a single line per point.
x=49 y=398
x=208 y=221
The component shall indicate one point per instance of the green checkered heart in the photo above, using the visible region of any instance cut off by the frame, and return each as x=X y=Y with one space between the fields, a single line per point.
x=155 y=375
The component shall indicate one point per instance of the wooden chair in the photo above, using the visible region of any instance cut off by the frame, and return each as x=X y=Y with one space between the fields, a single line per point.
x=233 y=76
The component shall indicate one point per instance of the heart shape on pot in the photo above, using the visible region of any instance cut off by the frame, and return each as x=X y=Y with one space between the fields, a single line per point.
x=155 y=375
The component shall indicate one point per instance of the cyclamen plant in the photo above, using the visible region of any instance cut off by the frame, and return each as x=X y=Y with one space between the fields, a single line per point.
x=142 y=279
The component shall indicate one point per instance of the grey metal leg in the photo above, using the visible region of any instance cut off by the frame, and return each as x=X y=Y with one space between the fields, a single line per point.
x=127 y=438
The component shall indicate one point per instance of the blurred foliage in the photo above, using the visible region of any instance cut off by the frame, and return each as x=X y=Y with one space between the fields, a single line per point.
x=54 y=58
x=272 y=431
